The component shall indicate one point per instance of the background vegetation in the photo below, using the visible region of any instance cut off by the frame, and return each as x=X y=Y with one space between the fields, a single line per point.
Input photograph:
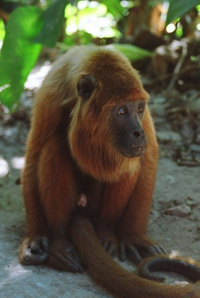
x=29 y=26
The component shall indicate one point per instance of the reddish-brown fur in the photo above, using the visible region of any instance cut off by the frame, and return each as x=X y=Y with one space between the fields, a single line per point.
x=71 y=155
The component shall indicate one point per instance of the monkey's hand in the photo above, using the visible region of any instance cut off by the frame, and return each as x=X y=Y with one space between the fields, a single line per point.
x=34 y=250
x=108 y=239
x=137 y=248
x=63 y=256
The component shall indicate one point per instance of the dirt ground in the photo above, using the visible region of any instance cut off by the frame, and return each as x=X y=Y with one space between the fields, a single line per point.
x=179 y=233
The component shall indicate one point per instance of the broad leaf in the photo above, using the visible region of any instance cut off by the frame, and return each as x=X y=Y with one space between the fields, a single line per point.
x=114 y=7
x=53 y=22
x=133 y=53
x=177 y=8
x=19 y=53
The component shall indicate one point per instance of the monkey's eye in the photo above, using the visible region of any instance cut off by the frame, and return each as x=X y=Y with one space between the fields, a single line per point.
x=122 y=111
x=141 y=108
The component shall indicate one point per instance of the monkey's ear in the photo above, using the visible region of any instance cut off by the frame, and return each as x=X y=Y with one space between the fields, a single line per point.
x=86 y=86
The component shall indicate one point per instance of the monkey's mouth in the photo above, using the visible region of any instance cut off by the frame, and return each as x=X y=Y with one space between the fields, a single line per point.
x=133 y=152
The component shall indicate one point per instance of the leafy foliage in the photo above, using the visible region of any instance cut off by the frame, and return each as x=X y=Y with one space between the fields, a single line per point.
x=2 y=32
x=177 y=8
x=114 y=7
x=131 y=52
x=53 y=22
x=31 y=27
x=19 y=53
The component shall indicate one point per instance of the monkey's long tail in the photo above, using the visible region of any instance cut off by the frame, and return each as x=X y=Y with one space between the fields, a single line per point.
x=116 y=280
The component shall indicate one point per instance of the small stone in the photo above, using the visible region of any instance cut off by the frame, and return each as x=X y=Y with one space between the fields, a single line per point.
x=190 y=202
x=4 y=167
x=170 y=179
x=180 y=211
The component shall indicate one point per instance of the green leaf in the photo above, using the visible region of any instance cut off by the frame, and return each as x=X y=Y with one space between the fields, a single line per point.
x=53 y=22
x=2 y=30
x=19 y=53
x=131 y=52
x=114 y=7
x=177 y=8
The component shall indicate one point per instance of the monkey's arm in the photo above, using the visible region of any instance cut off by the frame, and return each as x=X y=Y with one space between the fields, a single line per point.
x=56 y=199
x=134 y=222
x=34 y=249
x=114 y=201
x=58 y=194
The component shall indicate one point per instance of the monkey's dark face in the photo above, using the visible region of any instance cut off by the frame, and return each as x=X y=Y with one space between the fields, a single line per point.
x=125 y=117
x=105 y=128
x=129 y=137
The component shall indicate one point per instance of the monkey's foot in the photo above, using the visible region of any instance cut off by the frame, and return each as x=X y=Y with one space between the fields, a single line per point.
x=62 y=256
x=108 y=239
x=34 y=250
x=136 y=249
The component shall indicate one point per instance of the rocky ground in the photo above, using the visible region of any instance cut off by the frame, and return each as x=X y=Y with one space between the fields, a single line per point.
x=174 y=222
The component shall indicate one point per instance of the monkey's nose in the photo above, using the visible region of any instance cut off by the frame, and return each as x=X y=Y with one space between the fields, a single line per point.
x=138 y=133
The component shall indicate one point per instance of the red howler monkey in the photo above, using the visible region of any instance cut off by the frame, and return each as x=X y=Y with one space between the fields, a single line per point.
x=90 y=170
